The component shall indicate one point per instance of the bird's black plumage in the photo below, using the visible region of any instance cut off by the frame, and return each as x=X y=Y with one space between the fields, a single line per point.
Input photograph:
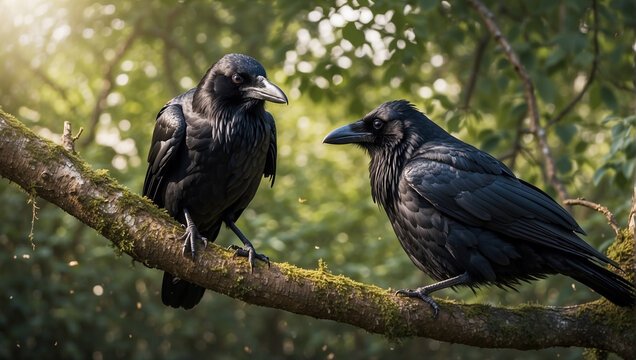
x=463 y=217
x=210 y=148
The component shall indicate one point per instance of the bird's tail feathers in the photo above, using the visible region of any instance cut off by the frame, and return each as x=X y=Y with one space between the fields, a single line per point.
x=613 y=287
x=179 y=293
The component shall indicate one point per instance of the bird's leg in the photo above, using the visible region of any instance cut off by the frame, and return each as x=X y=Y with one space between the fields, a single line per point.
x=423 y=292
x=248 y=249
x=191 y=235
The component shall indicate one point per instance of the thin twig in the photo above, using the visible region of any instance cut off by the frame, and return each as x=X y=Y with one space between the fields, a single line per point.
x=33 y=218
x=107 y=83
x=533 y=111
x=611 y=220
x=79 y=133
x=590 y=77
x=479 y=55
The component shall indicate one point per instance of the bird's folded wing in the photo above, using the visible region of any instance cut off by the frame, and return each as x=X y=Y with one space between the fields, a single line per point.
x=168 y=136
x=499 y=202
x=270 y=161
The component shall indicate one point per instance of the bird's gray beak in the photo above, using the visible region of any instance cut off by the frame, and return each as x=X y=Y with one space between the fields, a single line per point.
x=265 y=90
x=348 y=134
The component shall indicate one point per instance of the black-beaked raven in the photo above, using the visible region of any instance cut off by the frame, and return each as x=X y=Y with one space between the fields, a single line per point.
x=210 y=148
x=463 y=217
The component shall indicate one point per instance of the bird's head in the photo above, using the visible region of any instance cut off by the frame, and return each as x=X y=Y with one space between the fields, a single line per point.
x=389 y=134
x=388 y=126
x=238 y=78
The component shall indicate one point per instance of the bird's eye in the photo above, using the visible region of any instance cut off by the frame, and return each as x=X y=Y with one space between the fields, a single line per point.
x=378 y=124
x=237 y=79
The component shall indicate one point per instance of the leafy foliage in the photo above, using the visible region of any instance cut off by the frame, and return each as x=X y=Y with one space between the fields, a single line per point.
x=70 y=297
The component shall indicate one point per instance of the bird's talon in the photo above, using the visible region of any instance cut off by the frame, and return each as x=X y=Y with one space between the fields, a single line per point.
x=422 y=295
x=250 y=254
x=263 y=258
x=402 y=292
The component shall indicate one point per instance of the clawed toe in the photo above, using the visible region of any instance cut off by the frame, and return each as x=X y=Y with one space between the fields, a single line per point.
x=423 y=295
x=249 y=253
x=189 y=239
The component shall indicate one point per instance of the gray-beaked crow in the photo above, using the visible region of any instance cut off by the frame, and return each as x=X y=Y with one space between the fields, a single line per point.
x=210 y=148
x=463 y=217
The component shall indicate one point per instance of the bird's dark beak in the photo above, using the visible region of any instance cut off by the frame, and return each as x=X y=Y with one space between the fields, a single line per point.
x=265 y=90
x=348 y=134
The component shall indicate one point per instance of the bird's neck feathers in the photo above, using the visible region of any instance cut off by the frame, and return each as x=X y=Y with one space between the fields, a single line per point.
x=384 y=171
x=387 y=162
x=202 y=101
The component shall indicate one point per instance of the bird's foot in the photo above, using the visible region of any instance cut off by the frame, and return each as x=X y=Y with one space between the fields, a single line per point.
x=248 y=251
x=422 y=294
x=189 y=239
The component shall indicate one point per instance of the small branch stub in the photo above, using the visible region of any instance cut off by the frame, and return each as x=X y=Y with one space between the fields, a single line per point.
x=68 y=140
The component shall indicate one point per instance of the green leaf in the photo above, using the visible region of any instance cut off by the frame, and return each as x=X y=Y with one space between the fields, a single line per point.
x=502 y=64
x=610 y=118
x=566 y=132
x=490 y=143
x=555 y=57
x=571 y=41
x=618 y=144
x=576 y=4
x=564 y=164
x=618 y=129
x=427 y=5
x=519 y=110
x=453 y=120
x=528 y=58
x=443 y=99
x=608 y=98
x=581 y=146
x=628 y=168
x=584 y=58
x=598 y=175
x=545 y=87
x=502 y=82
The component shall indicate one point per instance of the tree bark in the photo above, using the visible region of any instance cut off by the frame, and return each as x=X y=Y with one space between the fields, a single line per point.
x=149 y=235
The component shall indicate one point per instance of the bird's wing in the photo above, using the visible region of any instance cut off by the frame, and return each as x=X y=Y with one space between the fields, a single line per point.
x=270 y=161
x=466 y=185
x=168 y=136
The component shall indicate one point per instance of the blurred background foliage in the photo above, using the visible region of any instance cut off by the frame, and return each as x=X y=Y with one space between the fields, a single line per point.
x=109 y=66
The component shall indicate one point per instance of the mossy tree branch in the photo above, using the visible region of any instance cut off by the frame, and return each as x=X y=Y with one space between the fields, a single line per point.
x=149 y=235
